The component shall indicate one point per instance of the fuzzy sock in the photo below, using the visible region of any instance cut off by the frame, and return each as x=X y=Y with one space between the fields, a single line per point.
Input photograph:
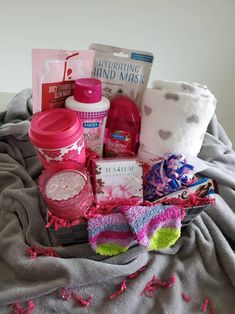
x=155 y=227
x=110 y=235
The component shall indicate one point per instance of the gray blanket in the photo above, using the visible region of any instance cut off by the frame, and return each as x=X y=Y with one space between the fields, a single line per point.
x=202 y=260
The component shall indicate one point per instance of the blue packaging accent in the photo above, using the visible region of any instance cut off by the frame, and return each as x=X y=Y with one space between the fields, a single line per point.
x=213 y=189
x=118 y=136
x=91 y=125
x=141 y=57
x=200 y=181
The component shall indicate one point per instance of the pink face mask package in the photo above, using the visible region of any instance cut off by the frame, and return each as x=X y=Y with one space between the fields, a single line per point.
x=54 y=72
x=122 y=71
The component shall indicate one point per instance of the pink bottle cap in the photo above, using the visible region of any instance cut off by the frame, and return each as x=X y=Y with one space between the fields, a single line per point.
x=88 y=90
x=55 y=128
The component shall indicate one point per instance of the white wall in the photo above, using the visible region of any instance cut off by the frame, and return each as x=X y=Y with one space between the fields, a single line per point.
x=191 y=40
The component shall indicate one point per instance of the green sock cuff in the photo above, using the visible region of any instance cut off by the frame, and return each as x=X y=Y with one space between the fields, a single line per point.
x=110 y=249
x=164 y=238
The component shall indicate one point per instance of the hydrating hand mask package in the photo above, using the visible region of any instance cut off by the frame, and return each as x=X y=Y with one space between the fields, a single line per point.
x=122 y=71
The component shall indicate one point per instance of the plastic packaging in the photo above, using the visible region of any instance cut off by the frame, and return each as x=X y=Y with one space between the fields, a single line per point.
x=54 y=72
x=57 y=135
x=122 y=71
x=92 y=109
x=123 y=128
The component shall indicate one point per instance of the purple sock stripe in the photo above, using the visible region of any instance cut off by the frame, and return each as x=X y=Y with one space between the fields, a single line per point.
x=112 y=219
x=172 y=225
x=170 y=213
x=137 y=212
x=124 y=243
x=143 y=213
x=159 y=222
x=117 y=227
x=138 y=223
x=112 y=235
x=147 y=235
x=144 y=240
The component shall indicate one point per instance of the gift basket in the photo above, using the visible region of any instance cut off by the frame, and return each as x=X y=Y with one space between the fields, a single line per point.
x=120 y=159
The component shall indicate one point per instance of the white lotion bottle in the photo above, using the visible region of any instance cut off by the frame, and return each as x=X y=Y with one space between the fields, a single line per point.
x=92 y=108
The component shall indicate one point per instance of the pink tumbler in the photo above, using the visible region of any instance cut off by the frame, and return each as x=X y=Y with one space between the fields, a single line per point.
x=57 y=135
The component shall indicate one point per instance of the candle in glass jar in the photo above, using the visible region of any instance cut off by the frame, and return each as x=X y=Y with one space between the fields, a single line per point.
x=64 y=185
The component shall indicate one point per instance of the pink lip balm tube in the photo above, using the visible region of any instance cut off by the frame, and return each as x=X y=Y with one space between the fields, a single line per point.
x=67 y=193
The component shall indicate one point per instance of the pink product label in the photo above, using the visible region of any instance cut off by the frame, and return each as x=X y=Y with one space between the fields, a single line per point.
x=118 y=179
x=74 y=152
x=118 y=142
x=94 y=126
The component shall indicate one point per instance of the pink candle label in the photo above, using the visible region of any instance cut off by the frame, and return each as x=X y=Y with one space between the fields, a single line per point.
x=64 y=185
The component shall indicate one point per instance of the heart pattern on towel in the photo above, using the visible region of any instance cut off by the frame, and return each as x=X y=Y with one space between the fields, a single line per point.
x=193 y=119
x=172 y=96
x=204 y=95
x=201 y=86
x=164 y=135
x=188 y=87
x=147 y=110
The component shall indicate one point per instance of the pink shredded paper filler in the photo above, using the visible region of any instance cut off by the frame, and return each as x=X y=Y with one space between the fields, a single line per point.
x=150 y=288
x=119 y=291
x=105 y=209
x=35 y=251
x=19 y=309
x=155 y=283
x=65 y=294
x=185 y=297
x=95 y=211
x=207 y=303
x=136 y=274
x=80 y=300
x=191 y=201
x=164 y=284
x=204 y=305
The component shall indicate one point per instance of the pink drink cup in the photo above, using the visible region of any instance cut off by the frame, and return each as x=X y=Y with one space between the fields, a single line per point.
x=57 y=135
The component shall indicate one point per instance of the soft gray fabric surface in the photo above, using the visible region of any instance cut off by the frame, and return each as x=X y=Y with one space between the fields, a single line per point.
x=203 y=259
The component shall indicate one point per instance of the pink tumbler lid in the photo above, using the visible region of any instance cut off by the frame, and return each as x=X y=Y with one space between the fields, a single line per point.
x=55 y=128
x=88 y=90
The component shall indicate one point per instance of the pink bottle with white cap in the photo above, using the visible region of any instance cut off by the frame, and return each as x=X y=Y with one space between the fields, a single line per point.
x=57 y=135
x=92 y=109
